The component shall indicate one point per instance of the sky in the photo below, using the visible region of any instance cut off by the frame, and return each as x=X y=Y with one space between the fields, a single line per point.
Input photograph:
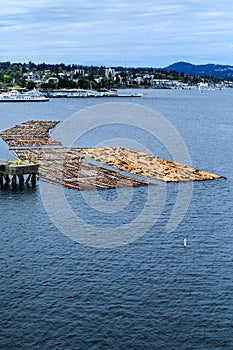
x=130 y=33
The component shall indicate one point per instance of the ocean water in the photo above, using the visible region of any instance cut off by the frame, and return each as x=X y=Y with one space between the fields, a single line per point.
x=146 y=291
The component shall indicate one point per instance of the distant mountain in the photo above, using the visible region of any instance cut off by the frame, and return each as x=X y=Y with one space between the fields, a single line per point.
x=205 y=70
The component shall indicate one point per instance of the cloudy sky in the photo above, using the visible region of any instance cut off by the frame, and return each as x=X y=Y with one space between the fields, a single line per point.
x=117 y=32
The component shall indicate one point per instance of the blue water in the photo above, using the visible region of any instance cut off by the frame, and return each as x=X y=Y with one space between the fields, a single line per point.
x=56 y=293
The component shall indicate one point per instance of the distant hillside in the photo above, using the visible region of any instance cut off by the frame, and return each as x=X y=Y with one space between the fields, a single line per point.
x=205 y=70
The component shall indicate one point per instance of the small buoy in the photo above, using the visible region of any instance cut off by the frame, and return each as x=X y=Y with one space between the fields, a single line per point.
x=185 y=242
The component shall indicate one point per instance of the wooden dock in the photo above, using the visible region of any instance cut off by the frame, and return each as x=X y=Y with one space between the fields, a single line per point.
x=14 y=172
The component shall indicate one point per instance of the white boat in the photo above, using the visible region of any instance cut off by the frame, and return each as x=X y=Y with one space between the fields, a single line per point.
x=16 y=96
x=203 y=87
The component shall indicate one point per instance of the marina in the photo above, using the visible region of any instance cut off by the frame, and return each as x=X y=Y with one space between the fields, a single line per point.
x=35 y=96
x=82 y=93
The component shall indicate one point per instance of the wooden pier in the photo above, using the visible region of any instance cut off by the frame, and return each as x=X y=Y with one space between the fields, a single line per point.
x=15 y=172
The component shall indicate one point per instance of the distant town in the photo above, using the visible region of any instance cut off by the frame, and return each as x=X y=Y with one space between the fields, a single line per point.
x=51 y=77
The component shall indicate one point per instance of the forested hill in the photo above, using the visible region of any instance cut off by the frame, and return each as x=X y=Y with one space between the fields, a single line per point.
x=204 y=70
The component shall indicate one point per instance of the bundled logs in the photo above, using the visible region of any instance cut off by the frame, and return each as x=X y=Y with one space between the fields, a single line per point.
x=75 y=169
x=30 y=133
x=69 y=169
x=143 y=164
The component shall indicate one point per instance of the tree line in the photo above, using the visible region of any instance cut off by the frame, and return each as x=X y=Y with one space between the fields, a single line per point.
x=86 y=77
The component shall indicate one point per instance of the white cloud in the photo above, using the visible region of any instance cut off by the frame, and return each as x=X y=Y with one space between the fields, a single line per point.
x=150 y=32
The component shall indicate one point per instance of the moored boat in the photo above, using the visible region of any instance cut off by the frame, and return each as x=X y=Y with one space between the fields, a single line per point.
x=16 y=96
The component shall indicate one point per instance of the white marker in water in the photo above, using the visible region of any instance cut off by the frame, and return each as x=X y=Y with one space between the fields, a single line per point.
x=185 y=242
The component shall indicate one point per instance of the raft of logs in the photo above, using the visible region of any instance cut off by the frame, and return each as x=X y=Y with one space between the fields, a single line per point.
x=75 y=169
x=31 y=133
x=148 y=166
